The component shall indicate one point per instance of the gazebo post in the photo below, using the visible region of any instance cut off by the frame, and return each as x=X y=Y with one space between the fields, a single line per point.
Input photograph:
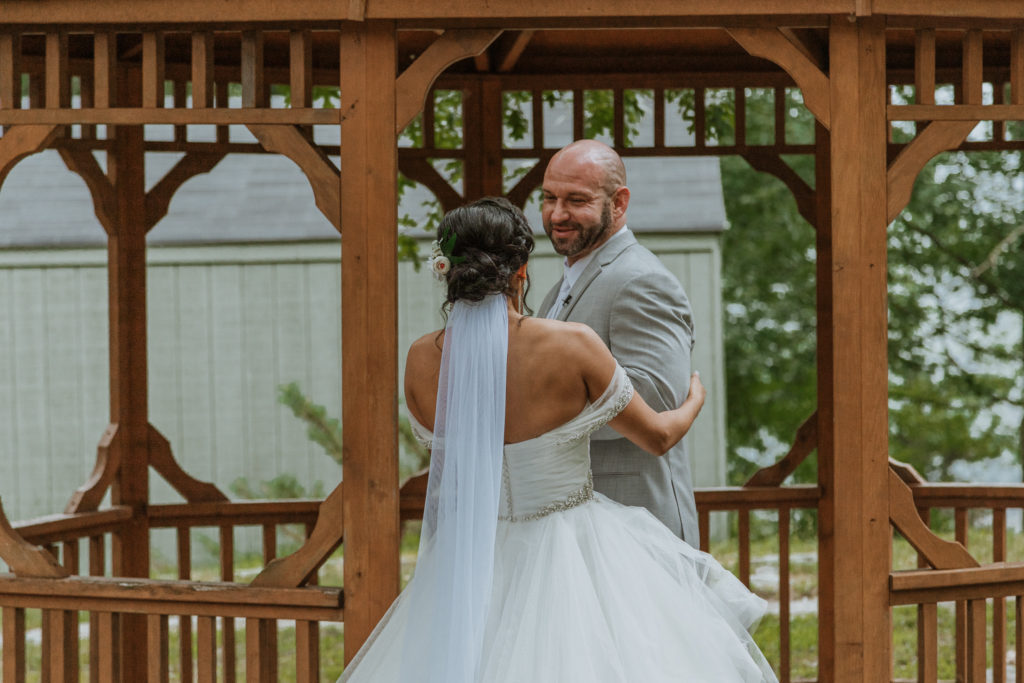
x=855 y=538
x=369 y=281
x=126 y=253
x=482 y=113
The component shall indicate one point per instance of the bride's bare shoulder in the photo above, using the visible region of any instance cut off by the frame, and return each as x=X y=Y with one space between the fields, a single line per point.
x=428 y=346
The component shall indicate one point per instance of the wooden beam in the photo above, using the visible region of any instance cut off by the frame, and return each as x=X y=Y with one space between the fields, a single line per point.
x=81 y=161
x=153 y=70
x=132 y=116
x=903 y=514
x=940 y=112
x=300 y=51
x=414 y=83
x=938 y=136
x=924 y=66
x=104 y=70
x=370 y=326
x=10 y=71
x=58 y=80
x=775 y=46
x=319 y=169
x=973 y=76
x=1017 y=67
x=854 y=479
x=512 y=52
x=482 y=139
x=253 y=95
x=202 y=70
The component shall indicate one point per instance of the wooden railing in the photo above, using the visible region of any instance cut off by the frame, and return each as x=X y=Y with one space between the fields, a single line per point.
x=199 y=618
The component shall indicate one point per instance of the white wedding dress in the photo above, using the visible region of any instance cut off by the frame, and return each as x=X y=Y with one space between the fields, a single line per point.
x=586 y=589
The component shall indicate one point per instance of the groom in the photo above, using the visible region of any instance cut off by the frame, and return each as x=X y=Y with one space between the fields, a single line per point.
x=620 y=289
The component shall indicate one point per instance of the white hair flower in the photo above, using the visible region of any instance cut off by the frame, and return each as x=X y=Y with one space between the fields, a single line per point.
x=440 y=265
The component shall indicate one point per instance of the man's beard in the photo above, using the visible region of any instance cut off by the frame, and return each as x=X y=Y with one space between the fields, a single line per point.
x=586 y=235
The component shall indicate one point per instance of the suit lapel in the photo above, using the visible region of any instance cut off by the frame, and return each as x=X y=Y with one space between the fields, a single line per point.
x=605 y=255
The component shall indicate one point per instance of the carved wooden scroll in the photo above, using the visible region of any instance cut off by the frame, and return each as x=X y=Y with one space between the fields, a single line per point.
x=25 y=559
x=806 y=441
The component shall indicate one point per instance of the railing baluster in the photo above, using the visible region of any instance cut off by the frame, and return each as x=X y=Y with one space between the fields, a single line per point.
x=744 y=541
x=157 y=648
x=785 y=666
x=184 y=541
x=109 y=639
x=924 y=66
x=206 y=638
x=1018 y=639
x=740 y=133
x=1017 y=69
x=960 y=517
x=227 y=573
x=14 y=644
x=577 y=114
x=307 y=651
x=700 y=132
x=152 y=70
x=537 y=102
x=927 y=643
x=252 y=69
x=999 y=604
x=704 y=529
x=97 y=566
x=659 y=121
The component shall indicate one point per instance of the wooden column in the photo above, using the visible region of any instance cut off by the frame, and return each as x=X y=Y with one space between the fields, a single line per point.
x=481 y=110
x=853 y=470
x=126 y=253
x=369 y=283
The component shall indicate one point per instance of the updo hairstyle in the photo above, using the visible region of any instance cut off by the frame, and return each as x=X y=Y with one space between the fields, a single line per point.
x=494 y=240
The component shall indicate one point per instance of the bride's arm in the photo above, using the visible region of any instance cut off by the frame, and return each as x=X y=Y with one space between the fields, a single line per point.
x=655 y=432
x=658 y=432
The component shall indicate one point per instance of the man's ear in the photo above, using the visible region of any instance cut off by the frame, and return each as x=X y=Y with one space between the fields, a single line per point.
x=620 y=201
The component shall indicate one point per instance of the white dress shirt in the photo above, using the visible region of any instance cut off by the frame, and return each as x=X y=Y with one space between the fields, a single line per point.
x=571 y=274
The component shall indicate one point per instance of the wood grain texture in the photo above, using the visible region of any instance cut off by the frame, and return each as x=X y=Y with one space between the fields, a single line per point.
x=856 y=489
x=202 y=70
x=414 y=83
x=23 y=558
x=319 y=169
x=938 y=136
x=806 y=440
x=369 y=327
x=21 y=141
x=774 y=45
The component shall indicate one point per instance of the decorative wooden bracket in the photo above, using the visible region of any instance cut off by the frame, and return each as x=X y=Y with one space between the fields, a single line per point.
x=938 y=552
x=519 y=194
x=319 y=169
x=24 y=559
x=108 y=460
x=938 y=136
x=775 y=46
x=19 y=142
x=158 y=199
x=414 y=83
x=82 y=162
x=806 y=441
x=424 y=173
x=162 y=460
x=773 y=164
x=296 y=569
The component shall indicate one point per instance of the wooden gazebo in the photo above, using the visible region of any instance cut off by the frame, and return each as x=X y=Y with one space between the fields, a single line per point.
x=176 y=63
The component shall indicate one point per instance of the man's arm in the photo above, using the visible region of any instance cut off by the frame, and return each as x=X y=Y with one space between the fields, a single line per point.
x=651 y=336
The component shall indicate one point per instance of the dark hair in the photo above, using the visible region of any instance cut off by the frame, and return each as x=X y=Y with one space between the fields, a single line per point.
x=492 y=241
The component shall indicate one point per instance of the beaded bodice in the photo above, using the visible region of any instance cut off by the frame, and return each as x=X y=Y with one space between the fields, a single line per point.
x=551 y=472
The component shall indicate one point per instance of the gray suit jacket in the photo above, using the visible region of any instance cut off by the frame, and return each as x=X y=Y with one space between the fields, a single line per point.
x=642 y=313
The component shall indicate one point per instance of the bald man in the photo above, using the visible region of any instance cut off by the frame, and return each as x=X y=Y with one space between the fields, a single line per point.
x=621 y=290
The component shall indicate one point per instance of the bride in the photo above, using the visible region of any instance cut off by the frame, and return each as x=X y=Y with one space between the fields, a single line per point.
x=525 y=574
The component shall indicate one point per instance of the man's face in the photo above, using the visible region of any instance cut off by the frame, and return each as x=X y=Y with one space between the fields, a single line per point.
x=576 y=212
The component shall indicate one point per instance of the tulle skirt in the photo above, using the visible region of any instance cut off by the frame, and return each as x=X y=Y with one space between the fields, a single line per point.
x=598 y=593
